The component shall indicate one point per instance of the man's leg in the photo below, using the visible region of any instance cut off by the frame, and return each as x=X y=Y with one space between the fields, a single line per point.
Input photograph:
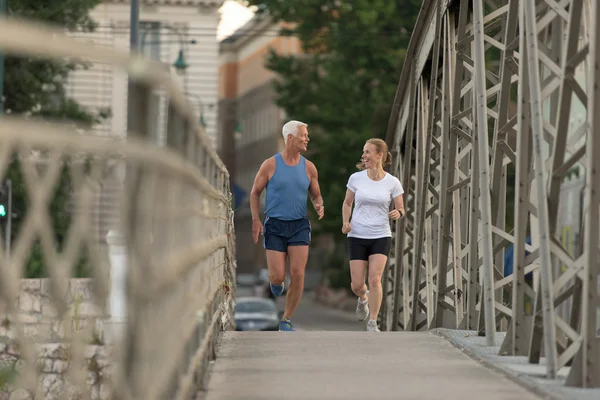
x=275 y=246
x=297 y=251
x=298 y=257
x=276 y=267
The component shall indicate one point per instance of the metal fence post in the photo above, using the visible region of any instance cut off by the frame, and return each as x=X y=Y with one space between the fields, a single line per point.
x=480 y=97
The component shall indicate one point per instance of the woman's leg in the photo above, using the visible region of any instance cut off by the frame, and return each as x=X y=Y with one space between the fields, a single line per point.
x=376 y=266
x=357 y=253
x=377 y=260
x=358 y=272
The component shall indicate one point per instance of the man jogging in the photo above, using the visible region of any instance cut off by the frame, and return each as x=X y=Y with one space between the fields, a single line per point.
x=288 y=178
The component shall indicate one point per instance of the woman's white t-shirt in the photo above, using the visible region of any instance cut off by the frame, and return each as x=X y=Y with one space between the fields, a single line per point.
x=372 y=199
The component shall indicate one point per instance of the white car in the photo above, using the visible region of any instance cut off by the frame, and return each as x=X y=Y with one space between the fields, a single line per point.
x=256 y=314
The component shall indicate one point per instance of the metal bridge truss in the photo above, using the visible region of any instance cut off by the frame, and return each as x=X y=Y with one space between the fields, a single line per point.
x=502 y=95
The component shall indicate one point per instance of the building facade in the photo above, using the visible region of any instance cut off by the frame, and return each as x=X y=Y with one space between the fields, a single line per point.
x=249 y=120
x=170 y=31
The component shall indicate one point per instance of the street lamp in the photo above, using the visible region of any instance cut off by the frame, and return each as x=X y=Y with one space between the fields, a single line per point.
x=201 y=104
x=238 y=131
x=180 y=63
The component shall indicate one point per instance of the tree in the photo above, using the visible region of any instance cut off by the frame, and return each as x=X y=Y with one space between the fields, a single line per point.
x=36 y=88
x=344 y=88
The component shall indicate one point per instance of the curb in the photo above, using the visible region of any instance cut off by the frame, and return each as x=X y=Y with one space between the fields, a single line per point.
x=522 y=380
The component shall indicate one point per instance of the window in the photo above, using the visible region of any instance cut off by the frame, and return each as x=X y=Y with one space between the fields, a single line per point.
x=154 y=128
x=150 y=39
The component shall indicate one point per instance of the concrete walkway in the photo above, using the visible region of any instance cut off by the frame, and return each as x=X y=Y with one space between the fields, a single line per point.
x=351 y=365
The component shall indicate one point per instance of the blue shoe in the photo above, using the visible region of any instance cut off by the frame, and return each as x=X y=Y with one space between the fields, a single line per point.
x=286 y=325
x=276 y=290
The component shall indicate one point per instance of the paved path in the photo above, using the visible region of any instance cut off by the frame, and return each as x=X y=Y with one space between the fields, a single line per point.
x=351 y=365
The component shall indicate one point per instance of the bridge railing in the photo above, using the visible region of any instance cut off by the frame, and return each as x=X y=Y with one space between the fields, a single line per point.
x=174 y=218
x=496 y=113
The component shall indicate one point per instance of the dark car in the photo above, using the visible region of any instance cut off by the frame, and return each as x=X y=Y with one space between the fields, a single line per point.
x=256 y=314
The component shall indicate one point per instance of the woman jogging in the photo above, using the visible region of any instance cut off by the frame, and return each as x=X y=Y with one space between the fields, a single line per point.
x=369 y=234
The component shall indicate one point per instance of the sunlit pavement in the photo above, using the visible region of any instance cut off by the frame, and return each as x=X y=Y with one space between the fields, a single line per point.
x=325 y=365
x=321 y=361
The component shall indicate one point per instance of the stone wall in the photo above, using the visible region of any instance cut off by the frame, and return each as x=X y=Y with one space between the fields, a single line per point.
x=37 y=314
x=53 y=364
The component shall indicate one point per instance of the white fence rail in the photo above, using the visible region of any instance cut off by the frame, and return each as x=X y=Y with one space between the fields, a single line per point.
x=175 y=223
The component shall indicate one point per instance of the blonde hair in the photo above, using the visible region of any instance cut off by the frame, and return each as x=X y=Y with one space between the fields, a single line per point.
x=380 y=147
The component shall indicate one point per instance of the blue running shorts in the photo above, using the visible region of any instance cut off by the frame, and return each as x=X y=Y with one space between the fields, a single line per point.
x=279 y=234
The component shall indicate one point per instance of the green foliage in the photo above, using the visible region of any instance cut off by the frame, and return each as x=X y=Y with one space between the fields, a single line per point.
x=36 y=88
x=8 y=375
x=345 y=87
x=60 y=216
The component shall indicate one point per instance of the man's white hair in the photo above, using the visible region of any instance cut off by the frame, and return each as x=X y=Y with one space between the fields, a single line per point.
x=291 y=128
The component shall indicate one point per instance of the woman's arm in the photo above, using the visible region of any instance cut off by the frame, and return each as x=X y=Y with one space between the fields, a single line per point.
x=397 y=193
x=347 y=211
x=399 y=205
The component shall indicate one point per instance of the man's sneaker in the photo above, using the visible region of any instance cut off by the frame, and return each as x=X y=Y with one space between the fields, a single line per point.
x=286 y=325
x=362 y=309
x=276 y=290
x=372 y=326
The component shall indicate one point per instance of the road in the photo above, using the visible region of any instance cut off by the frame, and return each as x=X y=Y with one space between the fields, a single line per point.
x=311 y=316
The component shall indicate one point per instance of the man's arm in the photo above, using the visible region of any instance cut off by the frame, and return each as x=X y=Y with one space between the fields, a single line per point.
x=260 y=182
x=314 y=189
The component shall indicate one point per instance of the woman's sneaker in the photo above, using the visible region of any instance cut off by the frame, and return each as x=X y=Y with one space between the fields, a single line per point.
x=362 y=309
x=372 y=326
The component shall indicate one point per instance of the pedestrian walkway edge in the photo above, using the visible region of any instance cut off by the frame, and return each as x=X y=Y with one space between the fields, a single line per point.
x=202 y=392
x=521 y=379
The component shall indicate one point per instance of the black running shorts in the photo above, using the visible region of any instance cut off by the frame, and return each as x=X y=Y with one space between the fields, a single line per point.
x=361 y=249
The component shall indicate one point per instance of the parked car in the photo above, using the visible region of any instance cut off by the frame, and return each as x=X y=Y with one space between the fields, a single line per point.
x=256 y=314
x=245 y=285
x=245 y=280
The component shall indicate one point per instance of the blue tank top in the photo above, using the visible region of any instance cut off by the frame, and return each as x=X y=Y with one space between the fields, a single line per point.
x=287 y=191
